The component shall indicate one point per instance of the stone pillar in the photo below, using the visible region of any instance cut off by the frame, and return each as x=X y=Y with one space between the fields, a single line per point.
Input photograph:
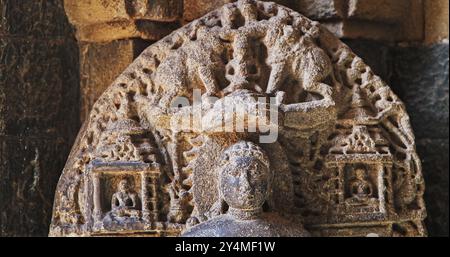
x=436 y=20
x=101 y=63
x=144 y=196
x=97 y=197
x=111 y=34
x=39 y=111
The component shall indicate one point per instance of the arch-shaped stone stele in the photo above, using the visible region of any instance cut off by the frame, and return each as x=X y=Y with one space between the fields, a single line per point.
x=343 y=155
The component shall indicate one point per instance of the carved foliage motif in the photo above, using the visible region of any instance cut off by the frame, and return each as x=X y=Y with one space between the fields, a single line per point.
x=345 y=153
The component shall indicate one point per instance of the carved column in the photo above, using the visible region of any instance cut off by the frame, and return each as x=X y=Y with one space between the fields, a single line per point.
x=381 y=187
x=97 y=197
x=144 y=187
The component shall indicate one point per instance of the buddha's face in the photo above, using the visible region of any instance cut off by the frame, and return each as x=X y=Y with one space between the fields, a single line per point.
x=244 y=183
x=360 y=174
x=123 y=186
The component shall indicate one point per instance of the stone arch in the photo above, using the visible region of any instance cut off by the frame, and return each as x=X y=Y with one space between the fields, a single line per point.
x=328 y=96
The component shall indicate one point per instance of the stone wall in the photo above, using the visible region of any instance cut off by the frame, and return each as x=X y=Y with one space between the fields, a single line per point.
x=39 y=99
x=404 y=41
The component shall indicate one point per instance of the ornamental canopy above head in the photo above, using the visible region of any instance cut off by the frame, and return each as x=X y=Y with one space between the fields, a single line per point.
x=252 y=113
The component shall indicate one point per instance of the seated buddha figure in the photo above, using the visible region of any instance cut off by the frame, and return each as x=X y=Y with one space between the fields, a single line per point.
x=125 y=202
x=245 y=179
x=361 y=191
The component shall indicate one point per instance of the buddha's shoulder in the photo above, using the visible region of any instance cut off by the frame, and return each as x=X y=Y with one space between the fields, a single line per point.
x=269 y=225
x=210 y=228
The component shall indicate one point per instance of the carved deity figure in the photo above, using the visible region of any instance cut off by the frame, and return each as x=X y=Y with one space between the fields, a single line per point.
x=361 y=189
x=125 y=202
x=177 y=208
x=245 y=180
x=298 y=56
x=333 y=112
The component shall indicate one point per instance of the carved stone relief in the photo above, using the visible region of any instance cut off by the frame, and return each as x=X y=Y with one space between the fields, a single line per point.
x=343 y=162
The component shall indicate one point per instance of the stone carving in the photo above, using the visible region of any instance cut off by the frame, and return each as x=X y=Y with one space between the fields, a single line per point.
x=245 y=179
x=124 y=202
x=361 y=189
x=343 y=162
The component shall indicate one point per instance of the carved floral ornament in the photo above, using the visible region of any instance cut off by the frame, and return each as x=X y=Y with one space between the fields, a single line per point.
x=252 y=113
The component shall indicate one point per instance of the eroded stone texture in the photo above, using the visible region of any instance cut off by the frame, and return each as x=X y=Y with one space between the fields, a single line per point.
x=39 y=97
x=29 y=174
x=344 y=162
x=245 y=181
x=436 y=20
x=377 y=10
x=106 y=20
x=435 y=159
x=419 y=75
x=100 y=64
x=194 y=9
x=322 y=9
x=425 y=91
x=421 y=78
x=378 y=55
x=368 y=19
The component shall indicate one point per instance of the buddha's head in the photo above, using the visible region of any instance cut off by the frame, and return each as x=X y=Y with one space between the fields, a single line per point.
x=245 y=176
x=124 y=186
x=360 y=174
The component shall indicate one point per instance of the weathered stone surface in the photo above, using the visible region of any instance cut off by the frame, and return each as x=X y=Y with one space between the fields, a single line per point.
x=39 y=97
x=43 y=72
x=323 y=9
x=193 y=9
x=103 y=21
x=412 y=24
x=44 y=18
x=377 y=55
x=421 y=79
x=436 y=20
x=368 y=19
x=28 y=177
x=419 y=75
x=106 y=32
x=83 y=12
x=342 y=144
x=100 y=64
x=435 y=160
x=377 y=10
x=245 y=180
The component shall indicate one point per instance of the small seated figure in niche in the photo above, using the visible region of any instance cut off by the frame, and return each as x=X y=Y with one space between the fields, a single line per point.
x=125 y=202
x=177 y=210
x=361 y=190
x=245 y=180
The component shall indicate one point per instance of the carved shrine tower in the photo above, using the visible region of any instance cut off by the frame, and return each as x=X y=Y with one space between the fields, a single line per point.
x=342 y=161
